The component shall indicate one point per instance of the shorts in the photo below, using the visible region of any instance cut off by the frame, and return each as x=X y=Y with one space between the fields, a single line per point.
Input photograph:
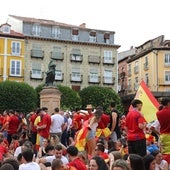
x=91 y=134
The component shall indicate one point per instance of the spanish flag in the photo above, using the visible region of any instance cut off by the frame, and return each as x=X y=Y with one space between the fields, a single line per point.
x=150 y=104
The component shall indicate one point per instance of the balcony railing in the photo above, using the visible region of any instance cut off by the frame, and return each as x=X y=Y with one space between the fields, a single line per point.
x=59 y=77
x=163 y=82
x=38 y=76
x=109 y=62
x=57 y=55
x=76 y=58
x=108 y=80
x=94 y=59
x=136 y=69
x=37 y=53
x=94 y=80
x=76 y=78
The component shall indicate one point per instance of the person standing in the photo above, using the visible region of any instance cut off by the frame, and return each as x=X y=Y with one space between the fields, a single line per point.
x=114 y=123
x=135 y=125
x=163 y=118
x=44 y=127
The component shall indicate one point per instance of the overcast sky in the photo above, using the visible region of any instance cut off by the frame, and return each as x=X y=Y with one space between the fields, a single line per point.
x=134 y=21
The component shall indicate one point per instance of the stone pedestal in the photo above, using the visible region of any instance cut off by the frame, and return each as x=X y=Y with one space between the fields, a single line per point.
x=50 y=97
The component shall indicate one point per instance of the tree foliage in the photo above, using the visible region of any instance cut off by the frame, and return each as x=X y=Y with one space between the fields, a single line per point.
x=17 y=95
x=100 y=96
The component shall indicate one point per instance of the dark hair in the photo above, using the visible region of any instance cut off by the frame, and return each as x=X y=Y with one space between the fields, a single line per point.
x=136 y=162
x=135 y=102
x=49 y=148
x=111 y=146
x=15 y=136
x=72 y=150
x=100 y=147
x=100 y=163
x=116 y=154
x=98 y=113
x=38 y=110
x=28 y=155
x=56 y=109
x=99 y=108
x=147 y=161
x=11 y=111
x=58 y=147
x=113 y=104
x=56 y=163
x=6 y=166
x=165 y=101
x=12 y=162
x=44 y=108
x=156 y=152
x=19 y=157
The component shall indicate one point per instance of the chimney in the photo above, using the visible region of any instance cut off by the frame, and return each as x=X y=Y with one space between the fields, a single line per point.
x=83 y=25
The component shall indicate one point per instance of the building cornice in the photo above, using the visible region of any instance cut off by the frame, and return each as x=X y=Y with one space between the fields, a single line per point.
x=72 y=42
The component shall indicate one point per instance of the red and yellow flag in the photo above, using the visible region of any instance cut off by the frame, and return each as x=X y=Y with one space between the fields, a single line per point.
x=150 y=104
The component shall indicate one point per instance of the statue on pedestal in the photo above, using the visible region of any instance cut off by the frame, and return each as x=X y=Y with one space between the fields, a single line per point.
x=50 y=74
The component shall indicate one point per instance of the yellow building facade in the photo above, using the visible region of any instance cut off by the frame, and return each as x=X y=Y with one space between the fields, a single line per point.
x=150 y=63
x=11 y=54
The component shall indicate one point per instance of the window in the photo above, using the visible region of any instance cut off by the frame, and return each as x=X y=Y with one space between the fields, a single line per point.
x=15 y=68
x=57 y=53
x=36 y=51
x=75 y=33
x=136 y=84
x=16 y=48
x=36 y=30
x=107 y=38
x=129 y=85
x=93 y=77
x=76 y=76
x=146 y=63
x=147 y=79
x=58 y=75
x=36 y=70
x=129 y=70
x=55 y=32
x=6 y=28
x=108 y=77
x=167 y=59
x=167 y=76
x=76 y=55
x=136 y=68
x=108 y=57
x=92 y=37
x=93 y=59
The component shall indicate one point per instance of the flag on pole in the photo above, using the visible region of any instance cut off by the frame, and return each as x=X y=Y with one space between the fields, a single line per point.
x=150 y=104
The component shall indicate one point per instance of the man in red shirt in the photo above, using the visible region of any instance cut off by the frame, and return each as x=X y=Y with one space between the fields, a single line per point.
x=164 y=120
x=44 y=127
x=12 y=125
x=135 y=124
x=76 y=162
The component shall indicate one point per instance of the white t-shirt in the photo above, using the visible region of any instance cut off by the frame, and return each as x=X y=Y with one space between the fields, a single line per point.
x=18 y=150
x=51 y=158
x=29 y=166
x=56 y=122
x=69 y=123
x=156 y=125
x=161 y=165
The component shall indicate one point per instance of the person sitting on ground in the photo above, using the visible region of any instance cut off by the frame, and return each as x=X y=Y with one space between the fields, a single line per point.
x=28 y=164
x=75 y=161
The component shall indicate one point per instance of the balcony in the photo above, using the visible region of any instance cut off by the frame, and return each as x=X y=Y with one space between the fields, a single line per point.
x=57 y=55
x=94 y=79
x=76 y=58
x=16 y=73
x=129 y=72
x=109 y=62
x=94 y=59
x=136 y=69
x=108 y=80
x=37 y=53
x=37 y=74
x=76 y=78
x=59 y=76
x=146 y=66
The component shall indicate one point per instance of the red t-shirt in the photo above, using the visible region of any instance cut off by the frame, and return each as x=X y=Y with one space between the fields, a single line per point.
x=1 y=119
x=3 y=150
x=163 y=117
x=46 y=120
x=32 y=120
x=78 y=164
x=105 y=120
x=13 y=124
x=77 y=121
x=133 y=119
x=104 y=155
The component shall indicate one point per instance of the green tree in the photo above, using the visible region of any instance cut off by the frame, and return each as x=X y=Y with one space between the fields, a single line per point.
x=38 y=89
x=15 y=95
x=70 y=99
x=100 y=96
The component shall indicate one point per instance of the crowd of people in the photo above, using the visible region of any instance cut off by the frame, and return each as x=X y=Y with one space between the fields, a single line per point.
x=86 y=139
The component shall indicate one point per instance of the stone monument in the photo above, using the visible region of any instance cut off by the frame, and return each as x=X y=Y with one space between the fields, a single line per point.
x=50 y=96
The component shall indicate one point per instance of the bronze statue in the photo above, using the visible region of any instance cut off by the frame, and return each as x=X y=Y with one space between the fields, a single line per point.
x=50 y=74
